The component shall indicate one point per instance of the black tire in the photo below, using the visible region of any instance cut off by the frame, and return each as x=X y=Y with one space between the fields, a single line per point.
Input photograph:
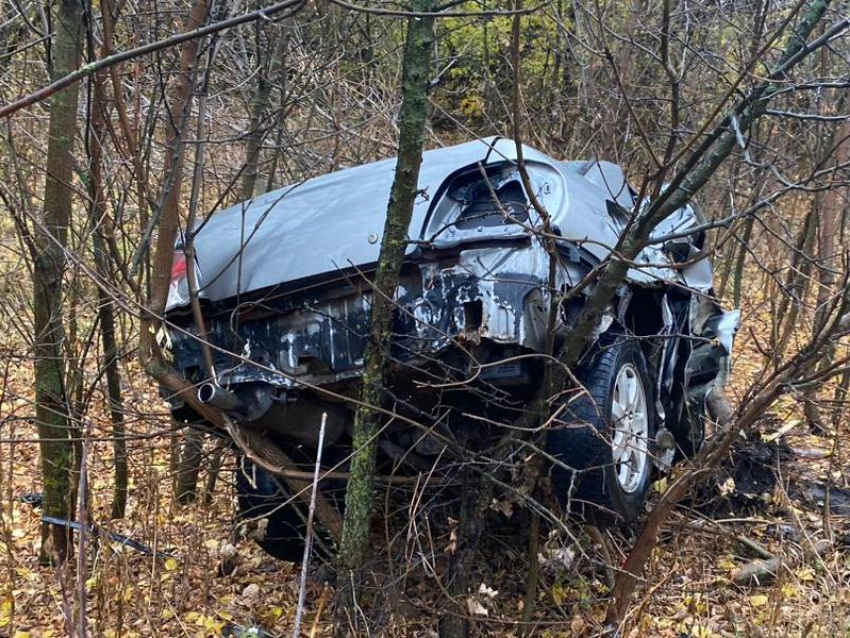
x=262 y=496
x=582 y=435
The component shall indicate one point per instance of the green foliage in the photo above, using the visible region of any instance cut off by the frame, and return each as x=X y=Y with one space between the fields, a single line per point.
x=478 y=52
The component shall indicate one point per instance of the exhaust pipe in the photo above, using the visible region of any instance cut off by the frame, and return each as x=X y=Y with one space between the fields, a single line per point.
x=216 y=396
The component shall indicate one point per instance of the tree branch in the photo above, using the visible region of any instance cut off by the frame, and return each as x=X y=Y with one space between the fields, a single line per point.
x=104 y=63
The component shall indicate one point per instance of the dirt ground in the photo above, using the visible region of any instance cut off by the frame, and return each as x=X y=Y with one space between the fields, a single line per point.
x=769 y=502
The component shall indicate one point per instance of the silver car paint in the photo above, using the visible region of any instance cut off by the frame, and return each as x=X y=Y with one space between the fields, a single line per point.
x=335 y=221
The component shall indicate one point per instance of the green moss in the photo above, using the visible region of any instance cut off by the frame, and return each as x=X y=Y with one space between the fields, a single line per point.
x=414 y=112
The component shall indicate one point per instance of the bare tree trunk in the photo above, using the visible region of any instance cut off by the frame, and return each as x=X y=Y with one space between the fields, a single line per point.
x=186 y=485
x=186 y=488
x=829 y=204
x=412 y=119
x=740 y=262
x=116 y=403
x=796 y=284
x=259 y=108
x=106 y=307
x=475 y=500
x=213 y=469
x=169 y=213
x=48 y=269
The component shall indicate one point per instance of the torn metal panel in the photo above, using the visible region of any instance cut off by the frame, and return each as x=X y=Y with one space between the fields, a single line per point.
x=709 y=362
x=499 y=295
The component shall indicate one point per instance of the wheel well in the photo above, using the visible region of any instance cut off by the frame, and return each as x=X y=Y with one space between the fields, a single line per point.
x=643 y=319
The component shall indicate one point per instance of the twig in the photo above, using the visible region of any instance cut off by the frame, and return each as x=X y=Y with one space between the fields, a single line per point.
x=757 y=570
x=758 y=549
x=81 y=554
x=308 y=540
x=104 y=63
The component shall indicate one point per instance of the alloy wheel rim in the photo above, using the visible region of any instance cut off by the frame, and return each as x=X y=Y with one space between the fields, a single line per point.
x=630 y=429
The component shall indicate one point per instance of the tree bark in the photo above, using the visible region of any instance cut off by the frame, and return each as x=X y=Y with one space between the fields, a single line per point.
x=475 y=499
x=186 y=487
x=796 y=285
x=413 y=116
x=259 y=108
x=106 y=307
x=169 y=209
x=829 y=205
x=48 y=270
x=169 y=217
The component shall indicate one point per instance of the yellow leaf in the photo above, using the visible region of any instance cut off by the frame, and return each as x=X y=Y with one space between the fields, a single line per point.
x=805 y=574
x=558 y=594
x=758 y=600
x=171 y=564
x=213 y=625
x=701 y=631
x=726 y=564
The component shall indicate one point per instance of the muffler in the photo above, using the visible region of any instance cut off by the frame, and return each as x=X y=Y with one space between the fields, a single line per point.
x=218 y=397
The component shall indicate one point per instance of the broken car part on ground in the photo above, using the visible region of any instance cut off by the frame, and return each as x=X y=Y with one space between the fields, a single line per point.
x=284 y=287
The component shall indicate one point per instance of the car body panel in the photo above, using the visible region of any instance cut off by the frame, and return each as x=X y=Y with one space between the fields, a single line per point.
x=334 y=222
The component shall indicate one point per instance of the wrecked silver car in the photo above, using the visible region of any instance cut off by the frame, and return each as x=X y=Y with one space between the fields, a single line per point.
x=284 y=287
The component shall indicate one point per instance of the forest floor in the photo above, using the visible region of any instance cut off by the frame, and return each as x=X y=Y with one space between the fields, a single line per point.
x=771 y=503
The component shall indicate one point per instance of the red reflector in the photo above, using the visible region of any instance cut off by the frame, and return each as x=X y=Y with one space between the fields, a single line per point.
x=178 y=267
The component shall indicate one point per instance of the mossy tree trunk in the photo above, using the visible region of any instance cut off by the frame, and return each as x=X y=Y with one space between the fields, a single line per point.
x=412 y=119
x=48 y=270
